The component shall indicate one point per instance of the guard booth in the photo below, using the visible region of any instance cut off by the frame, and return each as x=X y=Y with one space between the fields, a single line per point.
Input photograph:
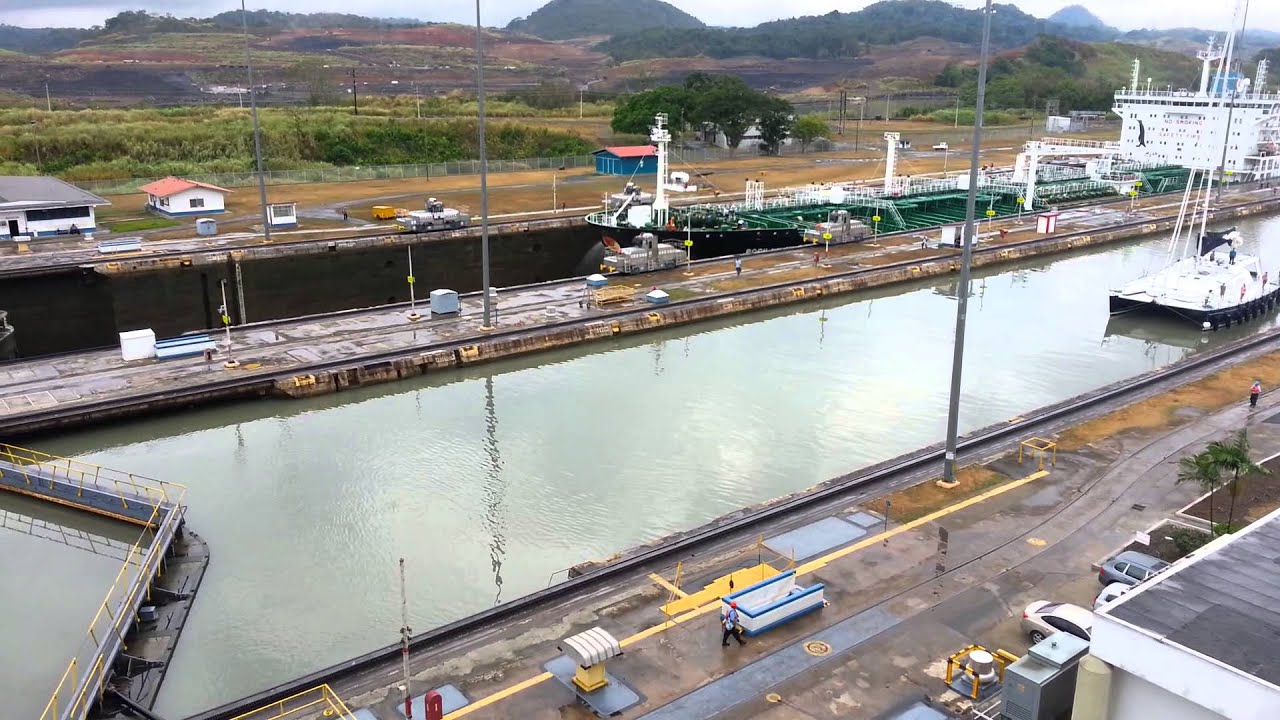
x=282 y=215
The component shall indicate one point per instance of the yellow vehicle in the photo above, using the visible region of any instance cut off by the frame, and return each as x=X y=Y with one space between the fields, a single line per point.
x=383 y=212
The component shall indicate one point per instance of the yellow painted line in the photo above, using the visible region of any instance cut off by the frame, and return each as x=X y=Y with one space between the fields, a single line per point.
x=812 y=565
x=500 y=695
x=821 y=562
x=667 y=584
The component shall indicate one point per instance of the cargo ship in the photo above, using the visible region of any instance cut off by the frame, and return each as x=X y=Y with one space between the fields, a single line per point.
x=850 y=212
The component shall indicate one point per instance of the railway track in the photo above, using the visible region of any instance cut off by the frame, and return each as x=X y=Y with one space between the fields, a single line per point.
x=881 y=476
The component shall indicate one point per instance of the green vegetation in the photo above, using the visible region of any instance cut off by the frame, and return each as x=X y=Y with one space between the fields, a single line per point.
x=128 y=226
x=104 y=144
x=1222 y=461
x=564 y=19
x=834 y=35
x=1080 y=75
x=720 y=100
x=809 y=128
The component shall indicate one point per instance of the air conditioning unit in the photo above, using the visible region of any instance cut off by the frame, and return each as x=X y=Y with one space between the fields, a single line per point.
x=1042 y=684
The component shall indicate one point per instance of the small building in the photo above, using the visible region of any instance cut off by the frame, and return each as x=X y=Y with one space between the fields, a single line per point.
x=282 y=215
x=750 y=139
x=35 y=206
x=176 y=197
x=627 y=160
x=1196 y=642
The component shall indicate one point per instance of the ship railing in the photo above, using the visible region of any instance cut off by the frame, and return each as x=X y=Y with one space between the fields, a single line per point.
x=1138 y=92
x=1076 y=142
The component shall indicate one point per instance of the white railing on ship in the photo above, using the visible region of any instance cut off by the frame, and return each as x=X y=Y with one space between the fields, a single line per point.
x=1271 y=96
x=1074 y=142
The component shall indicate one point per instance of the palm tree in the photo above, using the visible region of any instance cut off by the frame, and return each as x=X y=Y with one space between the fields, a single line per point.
x=1202 y=470
x=1233 y=457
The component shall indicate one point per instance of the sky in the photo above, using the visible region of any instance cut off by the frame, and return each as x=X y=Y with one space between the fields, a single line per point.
x=1263 y=14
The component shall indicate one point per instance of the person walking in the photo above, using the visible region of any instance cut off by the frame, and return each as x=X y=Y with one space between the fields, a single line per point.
x=729 y=621
x=737 y=266
x=1254 y=391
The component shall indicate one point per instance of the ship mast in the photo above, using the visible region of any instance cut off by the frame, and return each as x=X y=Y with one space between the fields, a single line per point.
x=660 y=137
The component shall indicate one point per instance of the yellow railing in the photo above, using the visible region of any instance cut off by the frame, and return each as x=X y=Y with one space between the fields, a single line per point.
x=83 y=681
x=126 y=486
x=321 y=698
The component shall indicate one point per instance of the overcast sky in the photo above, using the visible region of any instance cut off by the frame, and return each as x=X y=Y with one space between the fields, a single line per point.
x=1263 y=14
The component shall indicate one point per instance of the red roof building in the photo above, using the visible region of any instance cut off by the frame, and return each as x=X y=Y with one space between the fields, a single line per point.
x=175 y=196
x=627 y=160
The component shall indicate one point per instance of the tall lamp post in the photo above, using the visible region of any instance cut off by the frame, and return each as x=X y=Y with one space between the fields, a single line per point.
x=487 y=323
x=966 y=258
x=257 y=156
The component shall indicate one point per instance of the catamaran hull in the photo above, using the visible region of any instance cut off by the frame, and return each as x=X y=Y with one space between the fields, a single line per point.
x=711 y=243
x=1215 y=317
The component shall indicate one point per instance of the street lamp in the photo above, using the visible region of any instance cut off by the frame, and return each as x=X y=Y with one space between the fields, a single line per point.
x=487 y=322
x=966 y=259
x=257 y=132
x=582 y=90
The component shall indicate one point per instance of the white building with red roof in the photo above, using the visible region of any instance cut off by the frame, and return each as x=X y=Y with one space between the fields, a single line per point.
x=177 y=197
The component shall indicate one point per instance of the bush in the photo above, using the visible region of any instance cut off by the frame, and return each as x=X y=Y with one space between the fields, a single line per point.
x=1188 y=541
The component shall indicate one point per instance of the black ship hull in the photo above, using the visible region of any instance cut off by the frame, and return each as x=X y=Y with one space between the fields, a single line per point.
x=711 y=243
x=1206 y=318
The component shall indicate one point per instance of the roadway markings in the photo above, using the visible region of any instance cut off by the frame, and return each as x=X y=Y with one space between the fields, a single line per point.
x=811 y=566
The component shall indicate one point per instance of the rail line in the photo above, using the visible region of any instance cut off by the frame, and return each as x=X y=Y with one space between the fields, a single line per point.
x=261 y=383
x=986 y=439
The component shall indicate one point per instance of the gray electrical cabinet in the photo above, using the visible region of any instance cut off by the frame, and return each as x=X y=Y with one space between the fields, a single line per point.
x=1041 y=685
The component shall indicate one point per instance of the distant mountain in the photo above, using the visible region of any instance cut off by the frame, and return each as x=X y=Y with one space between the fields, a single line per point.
x=272 y=20
x=39 y=40
x=565 y=19
x=1078 y=16
x=838 y=34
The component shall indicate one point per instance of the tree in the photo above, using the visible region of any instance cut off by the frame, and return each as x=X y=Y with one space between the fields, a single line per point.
x=1233 y=457
x=809 y=128
x=775 y=120
x=732 y=109
x=634 y=114
x=1203 y=471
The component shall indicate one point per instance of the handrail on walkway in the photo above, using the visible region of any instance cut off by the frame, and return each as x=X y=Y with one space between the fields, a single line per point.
x=321 y=697
x=85 y=678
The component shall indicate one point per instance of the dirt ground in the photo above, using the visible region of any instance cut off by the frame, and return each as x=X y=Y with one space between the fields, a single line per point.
x=1256 y=496
x=1163 y=545
x=1212 y=393
x=920 y=500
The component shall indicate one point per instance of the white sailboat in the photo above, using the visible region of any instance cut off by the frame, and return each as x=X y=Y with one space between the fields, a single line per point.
x=1206 y=277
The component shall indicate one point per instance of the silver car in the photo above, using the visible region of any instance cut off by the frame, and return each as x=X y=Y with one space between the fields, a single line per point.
x=1042 y=619
x=1130 y=568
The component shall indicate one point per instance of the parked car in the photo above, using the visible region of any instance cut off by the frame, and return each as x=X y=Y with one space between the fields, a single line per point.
x=1043 y=618
x=1111 y=592
x=941 y=147
x=1130 y=567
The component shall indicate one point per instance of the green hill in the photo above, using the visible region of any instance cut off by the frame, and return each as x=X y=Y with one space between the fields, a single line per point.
x=565 y=19
x=838 y=34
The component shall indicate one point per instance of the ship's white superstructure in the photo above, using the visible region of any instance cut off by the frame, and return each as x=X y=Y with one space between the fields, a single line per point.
x=1174 y=126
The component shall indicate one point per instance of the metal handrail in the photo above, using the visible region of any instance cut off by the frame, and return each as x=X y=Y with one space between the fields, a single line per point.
x=328 y=701
x=84 y=680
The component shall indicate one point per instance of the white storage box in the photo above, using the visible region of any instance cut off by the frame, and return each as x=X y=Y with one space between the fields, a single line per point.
x=137 y=344
x=444 y=302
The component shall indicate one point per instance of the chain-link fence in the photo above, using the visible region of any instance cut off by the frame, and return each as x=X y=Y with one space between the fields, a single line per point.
x=864 y=136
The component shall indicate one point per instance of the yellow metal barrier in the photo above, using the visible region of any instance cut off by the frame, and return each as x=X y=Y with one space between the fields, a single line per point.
x=320 y=699
x=1002 y=658
x=1038 y=447
x=84 y=679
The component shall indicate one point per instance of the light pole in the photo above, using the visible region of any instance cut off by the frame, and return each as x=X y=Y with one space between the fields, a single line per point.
x=554 y=206
x=487 y=322
x=582 y=91
x=231 y=362
x=257 y=133
x=966 y=259
x=857 y=133
x=957 y=123
x=413 y=303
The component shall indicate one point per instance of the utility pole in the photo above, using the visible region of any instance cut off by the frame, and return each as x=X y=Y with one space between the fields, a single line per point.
x=404 y=645
x=48 y=101
x=413 y=303
x=257 y=134
x=417 y=100
x=355 y=99
x=844 y=103
x=862 y=109
x=966 y=259
x=231 y=362
x=487 y=322
x=957 y=123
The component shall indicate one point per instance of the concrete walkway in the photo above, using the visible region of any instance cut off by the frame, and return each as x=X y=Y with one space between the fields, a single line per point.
x=897 y=607
x=292 y=346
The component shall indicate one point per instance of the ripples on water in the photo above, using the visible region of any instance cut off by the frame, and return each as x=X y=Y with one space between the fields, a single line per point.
x=489 y=481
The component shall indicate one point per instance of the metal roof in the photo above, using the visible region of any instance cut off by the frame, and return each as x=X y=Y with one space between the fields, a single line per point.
x=629 y=151
x=171 y=186
x=1223 y=603
x=32 y=192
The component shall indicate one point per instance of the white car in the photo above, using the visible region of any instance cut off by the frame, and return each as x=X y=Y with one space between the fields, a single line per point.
x=1111 y=592
x=1043 y=618
x=940 y=147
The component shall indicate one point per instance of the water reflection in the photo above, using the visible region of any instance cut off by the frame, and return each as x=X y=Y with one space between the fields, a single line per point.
x=495 y=491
